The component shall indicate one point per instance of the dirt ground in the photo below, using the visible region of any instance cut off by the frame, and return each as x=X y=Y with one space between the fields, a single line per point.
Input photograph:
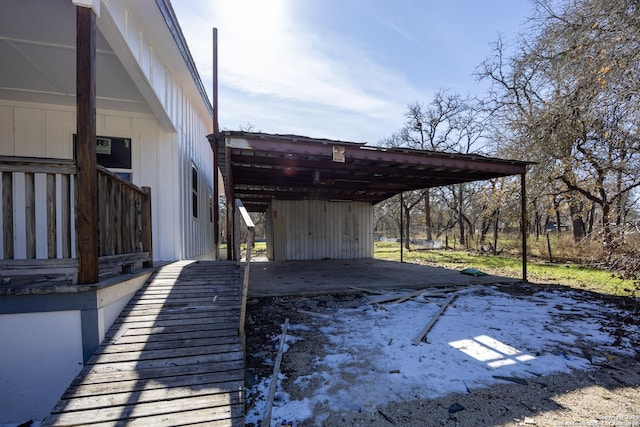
x=608 y=394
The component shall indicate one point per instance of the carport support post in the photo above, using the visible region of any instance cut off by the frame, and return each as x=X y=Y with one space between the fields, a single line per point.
x=523 y=209
x=213 y=141
x=231 y=197
x=401 y=228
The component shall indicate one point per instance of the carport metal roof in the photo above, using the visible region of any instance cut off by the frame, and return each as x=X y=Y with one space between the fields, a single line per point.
x=258 y=167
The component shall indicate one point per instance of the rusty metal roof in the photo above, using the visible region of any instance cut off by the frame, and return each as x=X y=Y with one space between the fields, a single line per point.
x=260 y=167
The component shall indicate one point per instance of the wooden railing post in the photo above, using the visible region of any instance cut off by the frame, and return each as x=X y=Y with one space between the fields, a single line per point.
x=146 y=226
x=7 y=215
x=30 y=214
x=52 y=239
x=242 y=213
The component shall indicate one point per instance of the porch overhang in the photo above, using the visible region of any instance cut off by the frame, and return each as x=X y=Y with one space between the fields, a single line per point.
x=259 y=167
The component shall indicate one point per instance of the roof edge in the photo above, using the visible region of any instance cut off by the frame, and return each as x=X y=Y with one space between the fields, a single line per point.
x=171 y=20
x=288 y=138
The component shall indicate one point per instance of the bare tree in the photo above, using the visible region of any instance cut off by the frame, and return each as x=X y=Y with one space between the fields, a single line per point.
x=449 y=123
x=569 y=98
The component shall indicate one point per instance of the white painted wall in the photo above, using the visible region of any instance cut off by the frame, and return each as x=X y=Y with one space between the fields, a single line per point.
x=112 y=300
x=160 y=159
x=40 y=355
x=316 y=229
x=131 y=29
x=166 y=143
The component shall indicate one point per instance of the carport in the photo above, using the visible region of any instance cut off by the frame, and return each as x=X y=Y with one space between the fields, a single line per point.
x=260 y=169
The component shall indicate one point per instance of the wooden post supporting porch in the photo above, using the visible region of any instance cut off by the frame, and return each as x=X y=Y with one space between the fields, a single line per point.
x=87 y=187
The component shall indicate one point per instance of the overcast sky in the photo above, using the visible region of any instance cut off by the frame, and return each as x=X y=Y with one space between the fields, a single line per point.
x=341 y=69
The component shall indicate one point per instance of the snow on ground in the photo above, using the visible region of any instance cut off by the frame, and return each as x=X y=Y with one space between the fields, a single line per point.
x=370 y=359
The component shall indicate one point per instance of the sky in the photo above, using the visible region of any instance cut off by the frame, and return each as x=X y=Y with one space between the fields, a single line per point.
x=341 y=69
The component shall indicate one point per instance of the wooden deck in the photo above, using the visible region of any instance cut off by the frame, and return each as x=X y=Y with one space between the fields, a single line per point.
x=173 y=357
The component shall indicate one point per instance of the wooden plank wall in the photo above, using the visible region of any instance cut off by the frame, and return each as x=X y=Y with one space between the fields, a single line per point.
x=316 y=229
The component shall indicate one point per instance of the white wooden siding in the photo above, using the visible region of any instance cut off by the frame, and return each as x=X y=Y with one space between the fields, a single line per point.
x=164 y=144
x=154 y=60
x=316 y=229
x=160 y=159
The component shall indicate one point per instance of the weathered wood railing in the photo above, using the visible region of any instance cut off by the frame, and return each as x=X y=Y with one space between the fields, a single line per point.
x=124 y=222
x=38 y=221
x=37 y=207
x=241 y=213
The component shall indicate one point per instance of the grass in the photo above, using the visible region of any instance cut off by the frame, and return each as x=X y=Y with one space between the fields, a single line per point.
x=567 y=274
x=259 y=249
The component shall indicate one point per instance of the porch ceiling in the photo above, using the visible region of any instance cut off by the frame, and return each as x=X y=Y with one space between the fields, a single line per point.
x=261 y=167
x=37 y=50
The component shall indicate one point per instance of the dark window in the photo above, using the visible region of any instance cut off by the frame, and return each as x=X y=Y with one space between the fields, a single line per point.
x=194 y=191
x=112 y=153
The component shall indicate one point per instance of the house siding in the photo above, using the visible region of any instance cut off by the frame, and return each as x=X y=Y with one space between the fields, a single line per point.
x=160 y=159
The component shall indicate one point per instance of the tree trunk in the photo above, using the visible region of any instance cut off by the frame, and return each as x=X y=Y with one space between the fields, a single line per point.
x=592 y=216
x=579 y=230
x=486 y=223
x=407 y=226
x=460 y=217
x=427 y=213
x=607 y=232
x=495 y=232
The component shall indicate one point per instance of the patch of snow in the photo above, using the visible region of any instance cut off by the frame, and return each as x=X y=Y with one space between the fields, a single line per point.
x=299 y=327
x=370 y=359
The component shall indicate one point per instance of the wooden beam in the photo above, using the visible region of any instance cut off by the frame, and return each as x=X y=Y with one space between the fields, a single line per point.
x=433 y=320
x=87 y=214
x=266 y=419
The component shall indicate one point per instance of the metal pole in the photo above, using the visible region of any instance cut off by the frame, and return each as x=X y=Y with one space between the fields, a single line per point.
x=401 y=228
x=523 y=208
x=216 y=154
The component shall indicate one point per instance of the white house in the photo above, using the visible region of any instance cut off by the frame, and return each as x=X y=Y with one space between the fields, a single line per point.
x=151 y=122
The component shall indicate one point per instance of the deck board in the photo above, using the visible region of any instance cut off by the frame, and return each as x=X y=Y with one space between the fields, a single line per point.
x=173 y=357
